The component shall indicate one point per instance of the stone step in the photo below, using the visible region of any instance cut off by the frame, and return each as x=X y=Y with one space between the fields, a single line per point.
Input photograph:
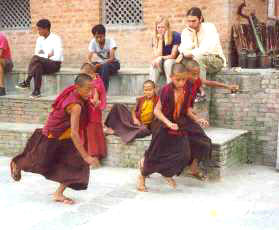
x=22 y=109
x=126 y=82
x=229 y=147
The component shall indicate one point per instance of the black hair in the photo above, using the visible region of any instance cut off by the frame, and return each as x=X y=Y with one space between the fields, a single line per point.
x=44 y=23
x=195 y=11
x=98 y=29
x=150 y=82
x=82 y=78
x=191 y=64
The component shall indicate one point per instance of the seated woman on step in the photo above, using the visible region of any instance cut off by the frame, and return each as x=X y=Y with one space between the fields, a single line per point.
x=165 y=49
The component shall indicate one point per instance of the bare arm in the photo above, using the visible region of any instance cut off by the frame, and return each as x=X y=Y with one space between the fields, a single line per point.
x=216 y=84
x=135 y=119
x=111 y=55
x=158 y=48
x=192 y=114
x=159 y=114
x=173 y=54
x=75 y=116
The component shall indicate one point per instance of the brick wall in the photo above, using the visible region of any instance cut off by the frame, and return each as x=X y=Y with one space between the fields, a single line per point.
x=254 y=108
x=73 y=21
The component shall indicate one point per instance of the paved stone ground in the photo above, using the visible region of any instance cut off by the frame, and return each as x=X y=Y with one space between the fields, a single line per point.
x=247 y=199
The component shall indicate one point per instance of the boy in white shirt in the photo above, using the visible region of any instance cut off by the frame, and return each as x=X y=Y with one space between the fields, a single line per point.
x=102 y=53
x=47 y=59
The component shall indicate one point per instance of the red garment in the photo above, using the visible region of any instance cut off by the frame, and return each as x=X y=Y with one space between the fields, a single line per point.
x=96 y=144
x=59 y=120
x=4 y=45
x=95 y=113
x=196 y=86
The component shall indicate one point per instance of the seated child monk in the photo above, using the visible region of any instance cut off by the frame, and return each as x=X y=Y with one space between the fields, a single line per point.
x=56 y=151
x=128 y=126
x=169 y=152
x=96 y=145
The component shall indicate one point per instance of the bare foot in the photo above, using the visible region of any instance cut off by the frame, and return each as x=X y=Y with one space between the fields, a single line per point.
x=141 y=184
x=171 y=182
x=63 y=199
x=15 y=172
x=108 y=131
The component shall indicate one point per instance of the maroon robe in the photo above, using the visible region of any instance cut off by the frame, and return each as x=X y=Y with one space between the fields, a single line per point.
x=169 y=151
x=57 y=160
x=121 y=121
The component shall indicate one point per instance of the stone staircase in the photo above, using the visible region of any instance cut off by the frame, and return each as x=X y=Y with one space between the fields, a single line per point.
x=20 y=116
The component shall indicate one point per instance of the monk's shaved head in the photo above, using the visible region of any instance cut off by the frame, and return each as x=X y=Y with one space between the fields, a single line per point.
x=88 y=68
x=178 y=68
x=191 y=64
x=81 y=79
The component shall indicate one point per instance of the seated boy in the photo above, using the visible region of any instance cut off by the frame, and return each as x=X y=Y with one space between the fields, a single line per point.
x=47 y=59
x=102 y=52
x=127 y=125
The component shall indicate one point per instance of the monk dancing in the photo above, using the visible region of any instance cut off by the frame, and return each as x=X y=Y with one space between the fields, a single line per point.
x=56 y=151
x=169 y=151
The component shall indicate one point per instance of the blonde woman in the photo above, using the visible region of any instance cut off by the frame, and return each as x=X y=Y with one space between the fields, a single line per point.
x=165 y=49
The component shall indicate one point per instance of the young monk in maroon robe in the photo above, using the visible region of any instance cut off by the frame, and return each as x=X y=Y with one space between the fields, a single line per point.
x=138 y=123
x=56 y=151
x=169 y=151
x=200 y=143
x=96 y=144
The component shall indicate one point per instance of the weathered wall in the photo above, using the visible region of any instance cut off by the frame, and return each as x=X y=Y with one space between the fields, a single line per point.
x=73 y=21
x=254 y=108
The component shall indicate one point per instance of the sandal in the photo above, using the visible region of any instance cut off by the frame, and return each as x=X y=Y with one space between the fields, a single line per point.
x=15 y=173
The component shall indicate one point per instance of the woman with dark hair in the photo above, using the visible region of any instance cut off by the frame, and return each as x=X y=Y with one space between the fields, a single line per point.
x=200 y=41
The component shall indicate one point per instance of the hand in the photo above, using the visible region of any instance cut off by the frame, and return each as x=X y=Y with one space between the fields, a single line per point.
x=92 y=161
x=50 y=54
x=160 y=36
x=95 y=102
x=233 y=88
x=203 y=123
x=173 y=126
x=156 y=62
x=136 y=122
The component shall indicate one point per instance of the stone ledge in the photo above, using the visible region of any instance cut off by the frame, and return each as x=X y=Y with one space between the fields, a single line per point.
x=21 y=108
x=71 y=71
x=229 y=147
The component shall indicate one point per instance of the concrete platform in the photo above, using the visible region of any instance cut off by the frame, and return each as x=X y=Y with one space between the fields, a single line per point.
x=246 y=200
x=22 y=109
x=127 y=82
x=229 y=147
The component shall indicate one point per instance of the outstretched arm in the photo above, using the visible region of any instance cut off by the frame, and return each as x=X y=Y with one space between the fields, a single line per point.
x=159 y=114
x=216 y=84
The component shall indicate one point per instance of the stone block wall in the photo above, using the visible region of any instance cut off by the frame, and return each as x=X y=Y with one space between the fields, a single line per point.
x=73 y=20
x=254 y=108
